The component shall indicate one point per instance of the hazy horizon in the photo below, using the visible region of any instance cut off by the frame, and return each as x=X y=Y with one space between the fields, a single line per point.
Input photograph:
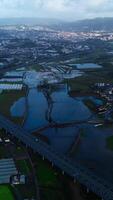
x=52 y=19
x=66 y=10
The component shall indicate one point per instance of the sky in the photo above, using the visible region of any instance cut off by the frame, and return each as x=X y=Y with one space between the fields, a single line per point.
x=68 y=10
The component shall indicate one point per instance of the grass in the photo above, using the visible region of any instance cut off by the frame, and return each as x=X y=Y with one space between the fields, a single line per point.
x=50 y=183
x=27 y=191
x=5 y=193
x=23 y=166
x=3 y=152
x=53 y=195
x=90 y=104
x=19 y=150
x=46 y=175
x=109 y=142
x=2 y=133
x=83 y=83
x=6 y=101
x=36 y=67
x=78 y=84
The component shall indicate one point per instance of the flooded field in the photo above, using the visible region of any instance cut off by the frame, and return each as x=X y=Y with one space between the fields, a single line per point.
x=63 y=120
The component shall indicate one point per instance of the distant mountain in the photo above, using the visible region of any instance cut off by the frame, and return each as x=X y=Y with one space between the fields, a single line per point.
x=29 y=21
x=98 y=24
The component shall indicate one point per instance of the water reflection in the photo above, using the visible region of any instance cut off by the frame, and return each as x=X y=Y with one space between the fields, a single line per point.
x=61 y=139
x=18 y=108
x=37 y=105
x=67 y=109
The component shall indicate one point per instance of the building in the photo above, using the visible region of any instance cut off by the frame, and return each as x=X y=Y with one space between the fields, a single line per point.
x=7 y=169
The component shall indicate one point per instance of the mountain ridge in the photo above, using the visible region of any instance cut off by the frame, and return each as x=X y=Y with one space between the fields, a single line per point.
x=96 y=24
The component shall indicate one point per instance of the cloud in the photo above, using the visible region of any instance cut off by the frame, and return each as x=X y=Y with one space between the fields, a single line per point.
x=64 y=9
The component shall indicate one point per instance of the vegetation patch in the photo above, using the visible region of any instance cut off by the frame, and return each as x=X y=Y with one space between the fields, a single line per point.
x=23 y=166
x=53 y=195
x=7 y=98
x=27 y=191
x=46 y=175
x=3 y=152
x=90 y=104
x=109 y=142
x=83 y=84
x=6 y=193
x=36 y=67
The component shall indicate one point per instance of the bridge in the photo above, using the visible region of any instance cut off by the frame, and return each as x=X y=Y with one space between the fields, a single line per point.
x=80 y=174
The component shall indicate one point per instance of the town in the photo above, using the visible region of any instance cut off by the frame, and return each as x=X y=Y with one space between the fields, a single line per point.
x=24 y=45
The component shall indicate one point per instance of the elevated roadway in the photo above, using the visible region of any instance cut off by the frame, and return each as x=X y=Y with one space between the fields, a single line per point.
x=80 y=174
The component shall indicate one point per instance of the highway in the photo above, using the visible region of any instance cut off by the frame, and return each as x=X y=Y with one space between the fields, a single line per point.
x=80 y=174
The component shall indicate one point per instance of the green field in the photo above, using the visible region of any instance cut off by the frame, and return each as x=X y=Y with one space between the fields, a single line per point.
x=5 y=193
x=109 y=142
x=53 y=195
x=4 y=152
x=23 y=166
x=6 y=101
x=36 y=67
x=50 y=183
x=83 y=84
x=27 y=191
x=46 y=176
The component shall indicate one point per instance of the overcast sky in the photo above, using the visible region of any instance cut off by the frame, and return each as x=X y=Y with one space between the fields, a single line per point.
x=62 y=9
